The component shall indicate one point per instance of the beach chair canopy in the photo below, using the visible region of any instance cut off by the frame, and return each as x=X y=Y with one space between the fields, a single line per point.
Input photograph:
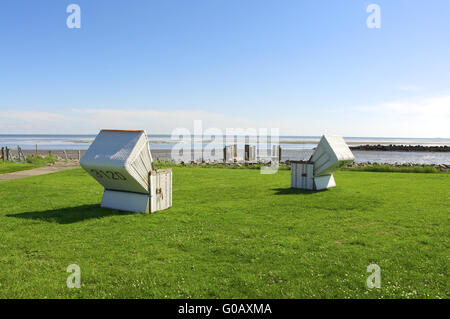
x=120 y=160
x=331 y=153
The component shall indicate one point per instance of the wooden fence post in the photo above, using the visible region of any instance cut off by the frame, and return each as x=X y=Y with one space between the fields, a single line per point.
x=3 y=154
x=279 y=153
x=79 y=155
x=36 y=149
x=20 y=153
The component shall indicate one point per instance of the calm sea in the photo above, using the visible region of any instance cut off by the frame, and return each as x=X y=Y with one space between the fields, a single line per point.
x=294 y=147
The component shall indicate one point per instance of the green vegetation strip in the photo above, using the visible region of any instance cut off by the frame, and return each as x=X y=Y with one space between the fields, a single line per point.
x=395 y=169
x=230 y=234
x=32 y=162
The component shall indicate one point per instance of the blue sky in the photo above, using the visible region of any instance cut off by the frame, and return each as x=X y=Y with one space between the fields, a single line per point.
x=306 y=67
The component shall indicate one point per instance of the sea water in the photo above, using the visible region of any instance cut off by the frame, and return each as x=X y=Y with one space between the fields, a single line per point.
x=293 y=147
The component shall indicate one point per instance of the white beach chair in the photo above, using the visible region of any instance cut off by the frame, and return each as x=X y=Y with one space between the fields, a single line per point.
x=316 y=174
x=120 y=160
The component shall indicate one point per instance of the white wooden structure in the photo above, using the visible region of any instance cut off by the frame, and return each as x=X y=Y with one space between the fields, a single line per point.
x=231 y=153
x=120 y=160
x=316 y=174
x=250 y=153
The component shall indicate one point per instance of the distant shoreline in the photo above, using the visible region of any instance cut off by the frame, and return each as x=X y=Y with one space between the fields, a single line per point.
x=366 y=147
x=360 y=143
x=401 y=148
x=434 y=146
x=373 y=155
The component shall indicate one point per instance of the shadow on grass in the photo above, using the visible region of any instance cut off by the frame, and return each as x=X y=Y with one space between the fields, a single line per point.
x=291 y=191
x=70 y=215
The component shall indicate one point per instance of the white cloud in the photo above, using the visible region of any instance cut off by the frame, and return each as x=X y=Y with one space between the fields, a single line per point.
x=31 y=116
x=434 y=107
x=409 y=88
x=153 y=120
x=92 y=120
x=420 y=117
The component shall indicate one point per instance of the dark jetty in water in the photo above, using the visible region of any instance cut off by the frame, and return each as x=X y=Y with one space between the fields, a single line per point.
x=402 y=148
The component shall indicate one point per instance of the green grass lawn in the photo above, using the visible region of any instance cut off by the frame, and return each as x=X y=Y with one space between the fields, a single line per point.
x=231 y=233
x=9 y=167
x=32 y=162
x=394 y=169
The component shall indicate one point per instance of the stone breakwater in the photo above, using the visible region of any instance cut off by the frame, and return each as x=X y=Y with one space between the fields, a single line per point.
x=401 y=148
x=441 y=167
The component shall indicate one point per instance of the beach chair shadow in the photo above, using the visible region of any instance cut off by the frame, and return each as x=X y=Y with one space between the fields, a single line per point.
x=70 y=215
x=292 y=191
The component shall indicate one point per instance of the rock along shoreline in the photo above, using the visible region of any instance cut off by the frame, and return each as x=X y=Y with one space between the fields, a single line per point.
x=401 y=148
